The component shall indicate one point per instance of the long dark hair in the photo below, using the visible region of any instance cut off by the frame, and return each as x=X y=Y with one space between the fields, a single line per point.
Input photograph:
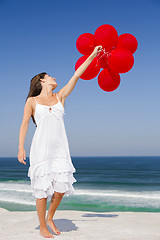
x=35 y=88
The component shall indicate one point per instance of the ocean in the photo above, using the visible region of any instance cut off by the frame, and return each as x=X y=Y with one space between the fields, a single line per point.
x=104 y=184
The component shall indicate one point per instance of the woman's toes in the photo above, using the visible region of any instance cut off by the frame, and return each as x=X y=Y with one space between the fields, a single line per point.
x=46 y=234
x=58 y=232
x=53 y=227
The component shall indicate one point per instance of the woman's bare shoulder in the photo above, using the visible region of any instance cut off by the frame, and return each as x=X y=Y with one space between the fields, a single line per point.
x=31 y=101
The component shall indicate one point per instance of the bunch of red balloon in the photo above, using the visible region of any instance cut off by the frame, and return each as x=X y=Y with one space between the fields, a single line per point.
x=116 y=56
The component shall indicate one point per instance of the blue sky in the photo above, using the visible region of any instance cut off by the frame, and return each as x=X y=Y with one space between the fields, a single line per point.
x=39 y=36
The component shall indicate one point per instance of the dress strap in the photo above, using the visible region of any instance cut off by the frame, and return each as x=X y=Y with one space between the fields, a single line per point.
x=57 y=96
x=35 y=99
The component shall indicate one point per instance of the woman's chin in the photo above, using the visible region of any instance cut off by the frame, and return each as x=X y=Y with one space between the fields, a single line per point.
x=54 y=86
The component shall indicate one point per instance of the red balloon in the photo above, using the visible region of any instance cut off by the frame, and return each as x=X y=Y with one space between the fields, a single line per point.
x=102 y=58
x=108 y=80
x=107 y=36
x=127 y=41
x=120 y=60
x=91 y=71
x=85 y=43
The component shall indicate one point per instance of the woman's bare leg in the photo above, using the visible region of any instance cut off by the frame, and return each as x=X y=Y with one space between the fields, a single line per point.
x=54 y=203
x=41 y=211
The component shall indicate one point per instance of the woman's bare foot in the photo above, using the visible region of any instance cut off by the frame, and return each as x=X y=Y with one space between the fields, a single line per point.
x=45 y=233
x=53 y=226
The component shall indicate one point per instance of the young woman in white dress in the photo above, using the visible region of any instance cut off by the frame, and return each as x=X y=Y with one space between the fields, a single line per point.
x=47 y=98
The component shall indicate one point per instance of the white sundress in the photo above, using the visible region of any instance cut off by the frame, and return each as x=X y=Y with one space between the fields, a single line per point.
x=51 y=167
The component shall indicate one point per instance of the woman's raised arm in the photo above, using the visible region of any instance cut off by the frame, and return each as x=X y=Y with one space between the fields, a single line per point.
x=67 y=89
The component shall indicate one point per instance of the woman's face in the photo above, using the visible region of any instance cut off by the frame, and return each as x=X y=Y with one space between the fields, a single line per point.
x=48 y=80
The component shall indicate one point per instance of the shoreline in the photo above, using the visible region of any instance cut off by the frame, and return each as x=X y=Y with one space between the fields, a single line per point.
x=81 y=225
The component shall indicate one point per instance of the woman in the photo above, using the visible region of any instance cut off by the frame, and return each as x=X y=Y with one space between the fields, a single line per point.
x=51 y=169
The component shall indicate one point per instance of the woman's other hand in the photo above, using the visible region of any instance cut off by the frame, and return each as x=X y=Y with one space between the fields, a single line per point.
x=21 y=156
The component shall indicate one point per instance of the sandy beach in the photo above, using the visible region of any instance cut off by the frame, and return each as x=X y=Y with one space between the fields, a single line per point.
x=83 y=225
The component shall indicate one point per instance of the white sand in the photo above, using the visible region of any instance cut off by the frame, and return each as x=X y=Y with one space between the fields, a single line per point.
x=82 y=225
